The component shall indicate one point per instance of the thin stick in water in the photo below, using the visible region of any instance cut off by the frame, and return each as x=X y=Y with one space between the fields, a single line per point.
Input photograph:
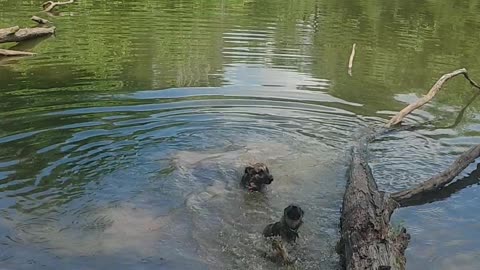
x=350 y=61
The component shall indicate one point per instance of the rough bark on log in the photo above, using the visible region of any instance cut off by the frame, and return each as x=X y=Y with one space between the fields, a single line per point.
x=440 y=180
x=25 y=34
x=367 y=240
x=14 y=53
x=39 y=20
x=50 y=5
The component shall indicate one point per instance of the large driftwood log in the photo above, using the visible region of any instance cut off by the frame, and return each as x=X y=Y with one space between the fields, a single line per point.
x=15 y=34
x=14 y=53
x=50 y=5
x=368 y=241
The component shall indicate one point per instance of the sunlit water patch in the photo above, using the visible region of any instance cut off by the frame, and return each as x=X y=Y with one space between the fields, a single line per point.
x=154 y=178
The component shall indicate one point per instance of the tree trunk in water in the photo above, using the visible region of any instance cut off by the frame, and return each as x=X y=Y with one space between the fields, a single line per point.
x=367 y=240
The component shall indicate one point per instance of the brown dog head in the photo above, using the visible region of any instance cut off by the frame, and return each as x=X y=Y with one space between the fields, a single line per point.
x=256 y=177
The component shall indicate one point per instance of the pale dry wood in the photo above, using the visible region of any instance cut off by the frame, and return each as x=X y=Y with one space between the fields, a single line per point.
x=429 y=96
x=50 y=5
x=39 y=20
x=440 y=180
x=26 y=34
x=350 y=61
x=8 y=31
x=4 y=52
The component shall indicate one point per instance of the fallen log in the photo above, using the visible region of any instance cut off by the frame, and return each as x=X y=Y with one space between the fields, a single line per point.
x=50 y=5
x=39 y=20
x=368 y=240
x=14 y=34
x=4 y=52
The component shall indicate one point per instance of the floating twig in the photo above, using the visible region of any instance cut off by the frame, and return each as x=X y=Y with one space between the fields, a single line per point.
x=350 y=61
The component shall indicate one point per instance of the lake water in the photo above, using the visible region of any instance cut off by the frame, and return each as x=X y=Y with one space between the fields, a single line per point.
x=123 y=140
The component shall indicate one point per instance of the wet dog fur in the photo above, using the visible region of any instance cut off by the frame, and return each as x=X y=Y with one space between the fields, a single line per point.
x=288 y=226
x=256 y=177
x=287 y=230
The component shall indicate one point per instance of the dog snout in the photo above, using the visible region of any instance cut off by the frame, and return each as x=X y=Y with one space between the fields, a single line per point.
x=270 y=179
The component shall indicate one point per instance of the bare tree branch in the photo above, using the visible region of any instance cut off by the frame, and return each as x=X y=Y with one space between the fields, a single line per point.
x=50 y=5
x=445 y=192
x=440 y=180
x=433 y=91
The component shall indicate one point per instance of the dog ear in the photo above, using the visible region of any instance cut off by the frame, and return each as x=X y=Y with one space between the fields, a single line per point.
x=248 y=169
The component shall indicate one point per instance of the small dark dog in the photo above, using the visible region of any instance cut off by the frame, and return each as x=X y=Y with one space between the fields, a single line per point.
x=288 y=226
x=287 y=229
x=256 y=177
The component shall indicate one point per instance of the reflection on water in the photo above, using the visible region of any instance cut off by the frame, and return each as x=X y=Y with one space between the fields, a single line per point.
x=122 y=142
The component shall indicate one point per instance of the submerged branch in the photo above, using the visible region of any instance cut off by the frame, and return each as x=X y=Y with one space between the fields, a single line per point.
x=445 y=192
x=4 y=52
x=440 y=180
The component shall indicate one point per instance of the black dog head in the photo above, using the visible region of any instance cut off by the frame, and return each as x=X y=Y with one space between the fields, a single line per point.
x=293 y=216
x=256 y=177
